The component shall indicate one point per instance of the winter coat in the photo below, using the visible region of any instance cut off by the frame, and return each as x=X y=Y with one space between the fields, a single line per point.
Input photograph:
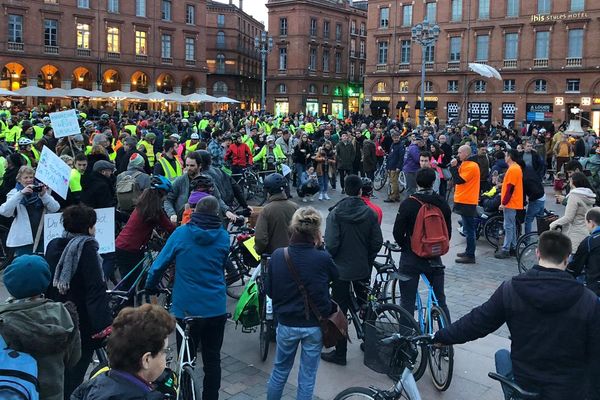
x=87 y=290
x=579 y=202
x=345 y=153
x=301 y=157
x=272 y=224
x=315 y=268
x=554 y=324
x=353 y=237
x=142 y=179
x=20 y=233
x=395 y=160
x=369 y=158
x=587 y=259
x=98 y=191
x=411 y=159
x=45 y=330
x=113 y=385
x=199 y=252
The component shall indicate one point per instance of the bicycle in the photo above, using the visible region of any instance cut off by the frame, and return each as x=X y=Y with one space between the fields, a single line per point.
x=251 y=184
x=405 y=351
x=238 y=272
x=511 y=390
x=186 y=364
x=381 y=175
x=266 y=332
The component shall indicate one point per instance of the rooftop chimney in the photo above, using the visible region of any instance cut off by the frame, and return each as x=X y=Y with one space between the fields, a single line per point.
x=241 y=4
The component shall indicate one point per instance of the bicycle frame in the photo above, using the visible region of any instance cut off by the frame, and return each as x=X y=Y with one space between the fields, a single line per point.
x=425 y=320
x=184 y=349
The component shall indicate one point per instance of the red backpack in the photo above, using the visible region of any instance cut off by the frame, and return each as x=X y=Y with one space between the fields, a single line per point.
x=430 y=234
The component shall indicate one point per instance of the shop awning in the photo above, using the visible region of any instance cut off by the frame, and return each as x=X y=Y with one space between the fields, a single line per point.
x=401 y=104
x=429 y=105
x=378 y=105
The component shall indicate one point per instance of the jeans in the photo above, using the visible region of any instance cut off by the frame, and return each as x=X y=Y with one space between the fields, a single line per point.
x=395 y=189
x=534 y=209
x=300 y=168
x=288 y=338
x=340 y=292
x=408 y=290
x=343 y=173
x=411 y=182
x=504 y=368
x=75 y=375
x=323 y=182
x=469 y=226
x=510 y=229
x=108 y=266
x=208 y=334
x=443 y=188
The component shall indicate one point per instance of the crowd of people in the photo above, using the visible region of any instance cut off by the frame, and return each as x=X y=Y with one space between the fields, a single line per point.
x=182 y=174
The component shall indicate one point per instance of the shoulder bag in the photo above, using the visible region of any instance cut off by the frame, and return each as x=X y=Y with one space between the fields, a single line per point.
x=335 y=326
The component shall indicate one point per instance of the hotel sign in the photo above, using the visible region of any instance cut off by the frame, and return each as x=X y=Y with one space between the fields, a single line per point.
x=558 y=17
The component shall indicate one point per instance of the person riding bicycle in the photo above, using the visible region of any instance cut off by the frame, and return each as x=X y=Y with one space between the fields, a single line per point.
x=199 y=250
x=274 y=220
x=554 y=324
x=238 y=155
x=147 y=216
x=410 y=263
x=271 y=155
x=137 y=354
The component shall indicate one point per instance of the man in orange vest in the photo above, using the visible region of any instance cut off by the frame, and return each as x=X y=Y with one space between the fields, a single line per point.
x=511 y=201
x=466 y=198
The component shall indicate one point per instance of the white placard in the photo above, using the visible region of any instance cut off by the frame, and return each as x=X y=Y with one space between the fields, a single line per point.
x=64 y=123
x=285 y=170
x=105 y=229
x=53 y=172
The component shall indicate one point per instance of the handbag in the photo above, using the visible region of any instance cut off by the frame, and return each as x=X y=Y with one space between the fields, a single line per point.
x=334 y=327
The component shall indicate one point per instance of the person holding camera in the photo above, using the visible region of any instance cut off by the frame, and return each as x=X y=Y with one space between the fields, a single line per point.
x=27 y=203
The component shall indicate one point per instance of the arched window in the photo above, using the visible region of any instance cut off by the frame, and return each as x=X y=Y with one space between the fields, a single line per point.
x=220 y=89
x=381 y=87
x=312 y=88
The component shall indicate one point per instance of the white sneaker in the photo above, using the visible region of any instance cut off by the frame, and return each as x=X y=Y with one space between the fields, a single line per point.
x=304 y=200
x=320 y=196
x=327 y=197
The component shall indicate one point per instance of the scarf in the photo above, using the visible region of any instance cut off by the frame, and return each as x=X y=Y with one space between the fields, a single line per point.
x=206 y=221
x=32 y=199
x=69 y=260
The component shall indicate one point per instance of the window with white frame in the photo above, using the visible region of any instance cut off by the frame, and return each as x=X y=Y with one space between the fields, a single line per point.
x=326 y=25
x=512 y=8
x=430 y=54
x=431 y=12
x=573 y=85
x=577 y=5
x=338 y=32
x=51 y=32
x=480 y=86
x=190 y=49
x=312 y=59
x=544 y=6
x=384 y=17
x=15 y=28
x=83 y=3
x=83 y=36
x=165 y=11
x=403 y=88
x=382 y=53
x=575 y=43
x=282 y=58
x=313 y=27
x=405 y=51
x=352 y=70
x=165 y=45
x=220 y=63
x=542 y=45
x=221 y=20
x=484 y=9
x=509 y=86
x=283 y=26
x=112 y=6
x=113 y=42
x=453 y=86
x=455 y=45
x=381 y=87
x=338 y=62
x=540 y=86
x=325 y=60
x=483 y=48
x=362 y=49
x=190 y=14
x=141 y=44
x=312 y=88
x=140 y=8
x=281 y=88
x=325 y=89
x=361 y=69
x=407 y=11
x=456 y=6
x=511 y=46
x=428 y=87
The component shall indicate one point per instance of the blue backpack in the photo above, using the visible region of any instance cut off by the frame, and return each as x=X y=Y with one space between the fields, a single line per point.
x=18 y=375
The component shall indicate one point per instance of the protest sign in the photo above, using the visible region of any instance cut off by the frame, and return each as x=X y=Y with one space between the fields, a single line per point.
x=64 y=123
x=105 y=229
x=53 y=172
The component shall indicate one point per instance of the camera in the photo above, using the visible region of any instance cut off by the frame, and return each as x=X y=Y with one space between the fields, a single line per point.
x=37 y=188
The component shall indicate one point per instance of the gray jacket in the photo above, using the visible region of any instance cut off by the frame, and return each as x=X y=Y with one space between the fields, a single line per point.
x=177 y=199
x=345 y=154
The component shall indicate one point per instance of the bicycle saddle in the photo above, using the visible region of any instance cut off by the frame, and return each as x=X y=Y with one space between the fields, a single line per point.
x=516 y=389
x=383 y=268
x=393 y=247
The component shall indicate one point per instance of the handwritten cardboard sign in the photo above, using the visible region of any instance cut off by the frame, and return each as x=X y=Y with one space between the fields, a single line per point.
x=64 y=123
x=53 y=172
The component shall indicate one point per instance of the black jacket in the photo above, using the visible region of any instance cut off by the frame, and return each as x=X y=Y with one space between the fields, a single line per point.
x=533 y=189
x=395 y=158
x=87 y=289
x=113 y=386
x=315 y=268
x=353 y=237
x=405 y=225
x=98 y=191
x=554 y=324
x=587 y=257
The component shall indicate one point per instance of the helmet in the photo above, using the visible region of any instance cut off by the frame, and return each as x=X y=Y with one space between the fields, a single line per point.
x=46 y=119
x=194 y=136
x=270 y=138
x=25 y=142
x=104 y=116
x=275 y=183
x=185 y=121
x=161 y=182
x=202 y=181
x=367 y=186
x=235 y=136
x=88 y=123
x=167 y=383
x=205 y=159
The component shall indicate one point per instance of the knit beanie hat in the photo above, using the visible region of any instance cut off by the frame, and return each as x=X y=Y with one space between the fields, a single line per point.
x=136 y=161
x=195 y=197
x=27 y=276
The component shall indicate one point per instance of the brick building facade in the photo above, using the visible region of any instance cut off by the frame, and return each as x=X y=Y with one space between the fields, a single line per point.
x=234 y=68
x=319 y=55
x=545 y=50
x=108 y=45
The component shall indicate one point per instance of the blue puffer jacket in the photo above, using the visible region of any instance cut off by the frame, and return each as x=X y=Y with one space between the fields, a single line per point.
x=411 y=159
x=199 y=250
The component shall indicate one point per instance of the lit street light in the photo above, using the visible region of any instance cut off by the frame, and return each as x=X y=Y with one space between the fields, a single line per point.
x=264 y=45
x=426 y=35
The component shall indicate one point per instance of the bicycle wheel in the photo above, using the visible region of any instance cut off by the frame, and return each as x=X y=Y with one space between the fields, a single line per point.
x=263 y=335
x=441 y=360
x=525 y=240
x=528 y=258
x=493 y=230
x=188 y=385
x=401 y=182
x=357 y=393
x=403 y=323
x=380 y=179
x=236 y=276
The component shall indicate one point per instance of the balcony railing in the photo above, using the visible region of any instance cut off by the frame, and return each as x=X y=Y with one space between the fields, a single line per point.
x=404 y=66
x=190 y=63
x=166 y=60
x=510 y=63
x=574 y=62
x=352 y=53
x=113 y=55
x=83 y=52
x=453 y=65
x=540 y=63
x=381 y=68
x=51 y=49
x=481 y=62
x=429 y=64
x=14 y=46
x=141 y=57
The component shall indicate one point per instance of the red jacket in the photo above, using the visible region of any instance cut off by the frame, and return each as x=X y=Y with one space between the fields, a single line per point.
x=137 y=233
x=239 y=155
x=374 y=207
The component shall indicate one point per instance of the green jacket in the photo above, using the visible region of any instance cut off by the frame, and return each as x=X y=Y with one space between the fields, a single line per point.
x=45 y=330
x=262 y=155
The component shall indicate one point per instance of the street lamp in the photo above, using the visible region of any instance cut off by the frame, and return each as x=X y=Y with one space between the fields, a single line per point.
x=426 y=35
x=264 y=45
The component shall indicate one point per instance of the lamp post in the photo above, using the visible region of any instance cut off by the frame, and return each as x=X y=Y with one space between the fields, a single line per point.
x=426 y=35
x=264 y=45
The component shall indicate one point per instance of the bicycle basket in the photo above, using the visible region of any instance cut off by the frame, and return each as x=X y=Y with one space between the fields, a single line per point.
x=543 y=223
x=381 y=358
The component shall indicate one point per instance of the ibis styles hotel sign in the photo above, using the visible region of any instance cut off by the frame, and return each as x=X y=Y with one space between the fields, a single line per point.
x=558 y=17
